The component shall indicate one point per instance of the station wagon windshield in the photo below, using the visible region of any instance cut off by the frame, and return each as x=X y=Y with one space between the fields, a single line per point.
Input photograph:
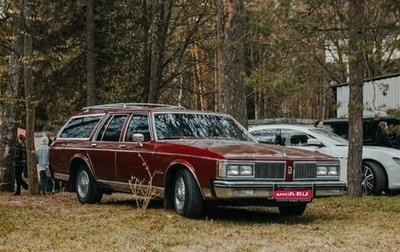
x=192 y=125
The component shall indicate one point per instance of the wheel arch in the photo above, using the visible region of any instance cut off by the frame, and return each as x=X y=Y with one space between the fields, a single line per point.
x=381 y=167
x=75 y=163
x=169 y=182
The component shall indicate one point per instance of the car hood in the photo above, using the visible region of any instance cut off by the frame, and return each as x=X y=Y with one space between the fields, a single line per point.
x=377 y=150
x=247 y=149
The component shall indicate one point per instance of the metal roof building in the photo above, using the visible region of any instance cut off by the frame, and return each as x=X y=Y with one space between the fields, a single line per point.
x=380 y=93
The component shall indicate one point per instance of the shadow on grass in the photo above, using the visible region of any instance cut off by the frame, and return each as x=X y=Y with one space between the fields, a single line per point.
x=257 y=215
x=233 y=213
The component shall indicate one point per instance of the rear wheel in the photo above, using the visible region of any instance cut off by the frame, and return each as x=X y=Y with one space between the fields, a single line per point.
x=87 y=189
x=292 y=210
x=373 y=179
x=188 y=200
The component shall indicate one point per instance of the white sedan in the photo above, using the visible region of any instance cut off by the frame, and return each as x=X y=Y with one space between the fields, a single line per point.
x=381 y=165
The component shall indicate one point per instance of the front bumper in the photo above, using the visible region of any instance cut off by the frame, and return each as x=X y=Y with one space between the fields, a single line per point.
x=258 y=189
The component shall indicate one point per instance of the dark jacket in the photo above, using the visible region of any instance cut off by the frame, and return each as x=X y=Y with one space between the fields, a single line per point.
x=382 y=138
x=20 y=155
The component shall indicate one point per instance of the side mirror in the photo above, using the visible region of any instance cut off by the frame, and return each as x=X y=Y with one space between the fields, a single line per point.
x=137 y=137
x=314 y=142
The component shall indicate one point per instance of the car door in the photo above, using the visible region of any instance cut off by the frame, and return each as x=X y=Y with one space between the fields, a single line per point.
x=102 y=151
x=133 y=159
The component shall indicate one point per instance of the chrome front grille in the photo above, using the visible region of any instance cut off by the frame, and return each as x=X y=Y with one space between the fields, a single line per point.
x=271 y=170
x=277 y=170
x=305 y=170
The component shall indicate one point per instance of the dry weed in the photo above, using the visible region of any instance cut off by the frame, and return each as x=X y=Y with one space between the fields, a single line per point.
x=143 y=192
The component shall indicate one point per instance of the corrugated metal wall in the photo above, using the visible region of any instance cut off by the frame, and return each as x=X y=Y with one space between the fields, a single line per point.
x=380 y=94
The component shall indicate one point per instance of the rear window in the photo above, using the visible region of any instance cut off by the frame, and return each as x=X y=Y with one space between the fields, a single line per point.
x=80 y=127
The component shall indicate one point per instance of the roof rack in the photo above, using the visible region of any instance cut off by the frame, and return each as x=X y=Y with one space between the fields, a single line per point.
x=132 y=105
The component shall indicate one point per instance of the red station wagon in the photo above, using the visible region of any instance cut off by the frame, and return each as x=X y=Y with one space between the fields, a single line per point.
x=194 y=158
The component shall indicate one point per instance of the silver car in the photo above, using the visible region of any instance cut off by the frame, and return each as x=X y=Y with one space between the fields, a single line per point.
x=381 y=165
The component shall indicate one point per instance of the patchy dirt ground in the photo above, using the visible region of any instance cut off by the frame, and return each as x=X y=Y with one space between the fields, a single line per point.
x=59 y=222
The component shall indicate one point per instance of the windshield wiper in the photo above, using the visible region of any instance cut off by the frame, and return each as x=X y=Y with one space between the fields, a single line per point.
x=170 y=138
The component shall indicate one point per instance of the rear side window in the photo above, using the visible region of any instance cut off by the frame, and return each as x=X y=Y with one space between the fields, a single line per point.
x=112 y=129
x=80 y=127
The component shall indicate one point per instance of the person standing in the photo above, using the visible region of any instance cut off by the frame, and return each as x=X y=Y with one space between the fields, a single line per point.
x=42 y=157
x=20 y=164
x=382 y=136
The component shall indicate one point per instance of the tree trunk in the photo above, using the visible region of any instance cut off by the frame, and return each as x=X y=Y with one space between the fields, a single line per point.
x=356 y=10
x=11 y=106
x=232 y=92
x=90 y=55
x=158 y=36
x=146 y=55
x=30 y=101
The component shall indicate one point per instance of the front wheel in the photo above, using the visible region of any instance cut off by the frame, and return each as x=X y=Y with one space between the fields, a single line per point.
x=188 y=200
x=87 y=189
x=373 y=179
x=292 y=210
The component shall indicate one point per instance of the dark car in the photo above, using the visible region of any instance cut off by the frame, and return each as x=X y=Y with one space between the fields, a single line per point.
x=191 y=158
x=340 y=126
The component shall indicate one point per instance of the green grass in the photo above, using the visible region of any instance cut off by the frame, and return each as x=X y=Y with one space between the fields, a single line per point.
x=59 y=222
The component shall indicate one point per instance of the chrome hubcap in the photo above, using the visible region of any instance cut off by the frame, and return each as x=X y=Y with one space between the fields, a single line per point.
x=83 y=184
x=179 y=194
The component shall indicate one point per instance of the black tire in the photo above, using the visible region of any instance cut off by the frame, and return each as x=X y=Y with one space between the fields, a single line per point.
x=373 y=181
x=292 y=210
x=187 y=198
x=87 y=189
